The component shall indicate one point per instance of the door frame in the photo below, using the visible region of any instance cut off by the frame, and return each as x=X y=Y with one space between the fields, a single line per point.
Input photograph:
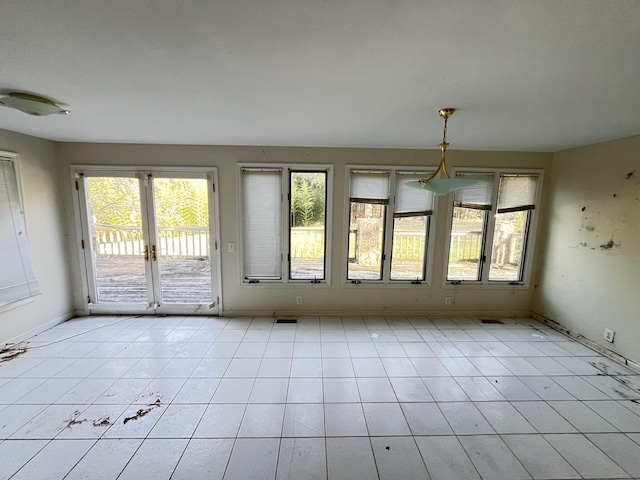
x=83 y=246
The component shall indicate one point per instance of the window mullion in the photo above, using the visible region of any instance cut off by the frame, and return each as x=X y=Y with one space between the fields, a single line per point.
x=388 y=230
x=285 y=228
x=490 y=223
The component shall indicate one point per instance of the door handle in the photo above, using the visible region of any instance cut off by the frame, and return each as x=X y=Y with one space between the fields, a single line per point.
x=153 y=253
x=146 y=253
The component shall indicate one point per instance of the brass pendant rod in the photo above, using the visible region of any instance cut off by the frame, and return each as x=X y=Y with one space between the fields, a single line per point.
x=444 y=113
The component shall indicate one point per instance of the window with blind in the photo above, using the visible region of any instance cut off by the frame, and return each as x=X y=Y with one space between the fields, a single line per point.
x=261 y=204
x=284 y=222
x=411 y=217
x=471 y=206
x=369 y=197
x=516 y=202
x=491 y=224
x=17 y=276
x=388 y=226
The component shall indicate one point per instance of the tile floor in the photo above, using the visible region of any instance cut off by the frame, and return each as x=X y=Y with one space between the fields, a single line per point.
x=329 y=398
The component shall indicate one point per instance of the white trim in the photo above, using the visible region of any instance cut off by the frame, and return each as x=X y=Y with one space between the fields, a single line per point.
x=40 y=328
x=503 y=314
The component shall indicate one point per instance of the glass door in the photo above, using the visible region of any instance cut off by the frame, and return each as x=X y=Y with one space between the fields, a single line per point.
x=181 y=244
x=147 y=240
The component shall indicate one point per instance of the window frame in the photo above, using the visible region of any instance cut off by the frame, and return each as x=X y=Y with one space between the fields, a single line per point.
x=388 y=225
x=286 y=169
x=530 y=232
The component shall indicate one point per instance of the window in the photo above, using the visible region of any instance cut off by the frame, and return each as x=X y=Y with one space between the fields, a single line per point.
x=368 y=212
x=17 y=276
x=516 y=202
x=471 y=207
x=374 y=238
x=412 y=215
x=279 y=228
x=492 y=220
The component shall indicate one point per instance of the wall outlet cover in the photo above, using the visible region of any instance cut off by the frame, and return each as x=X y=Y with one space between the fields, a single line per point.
x=608 y=335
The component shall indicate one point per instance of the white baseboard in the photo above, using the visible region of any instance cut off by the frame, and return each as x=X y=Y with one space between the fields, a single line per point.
x=578 y=337
x=379 y=313
x=40 y=328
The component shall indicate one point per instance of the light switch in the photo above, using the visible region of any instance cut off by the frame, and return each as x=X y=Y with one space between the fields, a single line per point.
x=231 y=247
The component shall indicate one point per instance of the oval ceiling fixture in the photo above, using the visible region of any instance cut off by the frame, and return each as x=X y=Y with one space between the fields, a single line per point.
x=32 y=104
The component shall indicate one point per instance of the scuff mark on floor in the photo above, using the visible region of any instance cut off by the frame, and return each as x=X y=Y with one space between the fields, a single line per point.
x=72 y=421
x=102 y=422
x=143 y=411
x=12 y=351
x=630 y=174
x=618 y=377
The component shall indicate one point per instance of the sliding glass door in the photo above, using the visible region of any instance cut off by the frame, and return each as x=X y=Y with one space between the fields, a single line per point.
x=147 y=239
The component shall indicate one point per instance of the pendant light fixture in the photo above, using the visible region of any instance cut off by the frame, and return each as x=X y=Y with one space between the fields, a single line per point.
x=446 y=184
x=32 y=104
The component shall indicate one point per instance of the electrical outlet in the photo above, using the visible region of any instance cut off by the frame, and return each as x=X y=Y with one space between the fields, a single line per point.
x=447 y=300
x=299 y=300
x=608 y=335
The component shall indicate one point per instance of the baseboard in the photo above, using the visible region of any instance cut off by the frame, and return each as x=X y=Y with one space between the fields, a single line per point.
x=41 y=328
x=578 y=337
x=379 y=313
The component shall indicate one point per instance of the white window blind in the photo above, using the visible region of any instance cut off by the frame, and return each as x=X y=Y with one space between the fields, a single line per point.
x=17 y=275
x=370 y=186
x=411 y=201
x=476 y=196
x=517 y=193
x=261 y=197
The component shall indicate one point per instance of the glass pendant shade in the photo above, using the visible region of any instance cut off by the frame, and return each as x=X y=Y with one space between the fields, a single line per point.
x=442 y=186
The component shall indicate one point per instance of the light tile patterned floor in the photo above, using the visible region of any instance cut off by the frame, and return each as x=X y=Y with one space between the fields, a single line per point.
x=329 y=398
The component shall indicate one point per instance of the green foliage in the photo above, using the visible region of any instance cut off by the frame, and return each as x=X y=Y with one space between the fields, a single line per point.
x=178 y=202
x=114 y=201
x=308 y=198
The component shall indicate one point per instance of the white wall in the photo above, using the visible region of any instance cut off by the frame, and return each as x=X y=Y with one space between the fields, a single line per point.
x=45 y=220
x=241 y=299
x=590 y=273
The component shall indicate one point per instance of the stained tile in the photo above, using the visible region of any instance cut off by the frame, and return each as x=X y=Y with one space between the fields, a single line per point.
x=398 y=457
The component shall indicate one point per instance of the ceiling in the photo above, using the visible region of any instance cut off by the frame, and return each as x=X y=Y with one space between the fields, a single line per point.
x=525 y=75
